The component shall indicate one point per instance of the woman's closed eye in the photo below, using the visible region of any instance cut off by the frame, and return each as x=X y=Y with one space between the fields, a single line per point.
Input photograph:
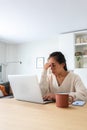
x=53 y=65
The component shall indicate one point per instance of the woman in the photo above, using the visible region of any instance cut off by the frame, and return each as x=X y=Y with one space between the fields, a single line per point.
x=60 y=79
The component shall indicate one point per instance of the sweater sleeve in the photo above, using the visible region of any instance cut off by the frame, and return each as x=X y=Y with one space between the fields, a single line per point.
x=44 y=82
x=80 y=90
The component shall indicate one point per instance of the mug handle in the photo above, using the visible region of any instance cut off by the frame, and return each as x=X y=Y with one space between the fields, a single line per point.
x=71 y=99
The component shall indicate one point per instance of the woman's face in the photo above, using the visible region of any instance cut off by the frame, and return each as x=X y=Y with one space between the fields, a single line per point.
x=55 y=66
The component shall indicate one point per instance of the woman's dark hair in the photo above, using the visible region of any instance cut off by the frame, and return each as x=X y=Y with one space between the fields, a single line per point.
x=59 y=57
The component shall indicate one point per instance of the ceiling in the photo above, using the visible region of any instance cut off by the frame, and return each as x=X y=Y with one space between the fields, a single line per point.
x=24 y=21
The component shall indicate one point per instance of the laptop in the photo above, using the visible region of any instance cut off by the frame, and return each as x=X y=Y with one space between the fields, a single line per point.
x=26 y=88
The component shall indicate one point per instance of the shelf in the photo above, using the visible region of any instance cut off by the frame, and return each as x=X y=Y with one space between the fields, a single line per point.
x=81 y=68
x=80 y=44
x=84 y=56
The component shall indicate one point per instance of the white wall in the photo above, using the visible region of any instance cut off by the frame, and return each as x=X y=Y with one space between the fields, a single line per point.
x=2 y=52
x=7 y=53
x=2 y=60
x=11 y=59
x=29 y=52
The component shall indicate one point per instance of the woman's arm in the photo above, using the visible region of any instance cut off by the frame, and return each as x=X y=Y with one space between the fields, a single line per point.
x=44 y=83
x=80 y=90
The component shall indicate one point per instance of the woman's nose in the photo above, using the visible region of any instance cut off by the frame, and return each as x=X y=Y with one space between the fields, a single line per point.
x=51 y=66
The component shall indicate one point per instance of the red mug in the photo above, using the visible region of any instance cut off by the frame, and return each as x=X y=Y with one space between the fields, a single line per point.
x=63 y=100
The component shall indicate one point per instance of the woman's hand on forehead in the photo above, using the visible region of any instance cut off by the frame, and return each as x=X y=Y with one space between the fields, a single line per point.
x=47 y=65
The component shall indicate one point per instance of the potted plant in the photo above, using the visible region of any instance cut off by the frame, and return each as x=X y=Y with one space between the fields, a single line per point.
x=79 y=61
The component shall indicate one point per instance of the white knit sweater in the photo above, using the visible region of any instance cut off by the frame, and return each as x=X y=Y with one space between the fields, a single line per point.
x=72 y=84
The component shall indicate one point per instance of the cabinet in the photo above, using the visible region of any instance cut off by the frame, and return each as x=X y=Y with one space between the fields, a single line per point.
x=81 y=50
x=66 y=46
x=74 y=47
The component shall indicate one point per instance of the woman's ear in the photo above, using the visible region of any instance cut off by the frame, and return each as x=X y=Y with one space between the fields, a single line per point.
x=63 y=64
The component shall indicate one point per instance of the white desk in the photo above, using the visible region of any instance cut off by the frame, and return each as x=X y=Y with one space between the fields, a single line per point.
x=18 y=115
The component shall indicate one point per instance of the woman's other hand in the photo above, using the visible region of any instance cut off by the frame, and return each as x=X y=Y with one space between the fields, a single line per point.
x=49 y=96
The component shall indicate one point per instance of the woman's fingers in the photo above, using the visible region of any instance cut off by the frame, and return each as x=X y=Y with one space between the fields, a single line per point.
x=48 y=96
x=47 y=65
